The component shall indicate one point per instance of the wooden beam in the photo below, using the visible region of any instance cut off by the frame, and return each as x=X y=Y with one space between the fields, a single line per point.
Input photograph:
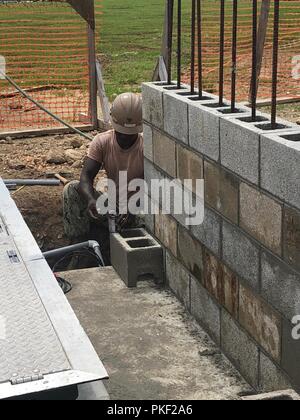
x=85 y=8
x=92 y=68
x=281 y=101
x=102 y=94
x=163 y=58
x=42 y=132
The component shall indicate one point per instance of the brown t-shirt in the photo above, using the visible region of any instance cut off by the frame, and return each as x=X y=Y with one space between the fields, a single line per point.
x=105 y=149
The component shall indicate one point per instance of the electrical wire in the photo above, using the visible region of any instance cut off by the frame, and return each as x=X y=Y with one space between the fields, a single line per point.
x=74 y=254
x=13 y=83
x=65 y=286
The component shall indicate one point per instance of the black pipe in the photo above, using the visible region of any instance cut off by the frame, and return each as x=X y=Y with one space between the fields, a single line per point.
x=275 y=63
x=254 y=61
x=193 y=42
x=222 y=47
x=234 y=54
x=179 y=44
x=199 y=24
x=61 y=252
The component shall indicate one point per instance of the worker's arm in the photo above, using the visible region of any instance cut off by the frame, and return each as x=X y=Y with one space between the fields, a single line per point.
x=89 y=172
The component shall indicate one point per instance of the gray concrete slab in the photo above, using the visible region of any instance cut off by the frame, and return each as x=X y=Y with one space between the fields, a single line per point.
x=150 y=346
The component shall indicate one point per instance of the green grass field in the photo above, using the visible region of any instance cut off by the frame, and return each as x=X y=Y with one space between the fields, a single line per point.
x=128 y=39
x=131 y=31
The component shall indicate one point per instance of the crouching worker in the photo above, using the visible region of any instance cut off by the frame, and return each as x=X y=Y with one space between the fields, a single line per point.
x=117 y=151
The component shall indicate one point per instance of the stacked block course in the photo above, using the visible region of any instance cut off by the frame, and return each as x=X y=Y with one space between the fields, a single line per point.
x=238 y=273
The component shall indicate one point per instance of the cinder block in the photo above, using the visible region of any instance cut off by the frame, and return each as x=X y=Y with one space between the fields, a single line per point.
x=151 y=208
x=205 y=310
x=261 y=217
x=178 y=279
x=240 y=148
x=241 y=254
x=153 y=112
x=151 y=173
x=261 y=322
x=240 y=349
x=166 y=231
x=221 y=190
x=148 y=142
x=280 y=166
x=149 y=222
x=135 y=253
x=190 y=252
x=189 y=165
x=164 y=153
x=271 y=378
x=240 y=143
x=209 y=232
x=231 y=286
x=291 y=354
x=291 y=237
x=204 y=130
x=280 y=286
x=221 y=283
x=176 y=116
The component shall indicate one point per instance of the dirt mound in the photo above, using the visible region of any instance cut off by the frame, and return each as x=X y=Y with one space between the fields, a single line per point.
x=29 y=158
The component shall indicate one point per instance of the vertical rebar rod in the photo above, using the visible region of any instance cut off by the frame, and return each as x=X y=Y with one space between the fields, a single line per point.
x=193 y=42
x=170 y=38
x=254 y=61
x=200 y=62
x=234 y=54
x=222 y=47
x=179 y=10
x=275 y=62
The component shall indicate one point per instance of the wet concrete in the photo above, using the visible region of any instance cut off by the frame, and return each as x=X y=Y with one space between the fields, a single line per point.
x=150 y=346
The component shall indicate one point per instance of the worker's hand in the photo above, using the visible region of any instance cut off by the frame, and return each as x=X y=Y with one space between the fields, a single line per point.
x=122 y=221
x=92 y=209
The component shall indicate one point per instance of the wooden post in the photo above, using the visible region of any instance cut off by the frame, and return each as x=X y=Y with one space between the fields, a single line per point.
x=102 y=95
x=261 y=39
x=92 y=68
x=161 y=71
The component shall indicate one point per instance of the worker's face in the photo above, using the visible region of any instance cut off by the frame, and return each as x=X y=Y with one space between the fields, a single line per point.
x=126 y=141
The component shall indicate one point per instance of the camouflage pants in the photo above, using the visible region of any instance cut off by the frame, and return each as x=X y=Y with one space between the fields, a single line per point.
x=78 y=224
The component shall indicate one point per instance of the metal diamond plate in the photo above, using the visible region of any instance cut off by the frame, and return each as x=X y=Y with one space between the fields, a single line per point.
x=29 y=345
x=42 y=344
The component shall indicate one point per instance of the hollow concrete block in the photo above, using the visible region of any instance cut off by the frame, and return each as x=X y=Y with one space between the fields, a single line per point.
x=241 y=254
x=204 y=125
x=153 y=104
x=239 y=348
x=240 y=144
x=176 y=116
x=280 y=285
x=280 y=165
x=148 y=142
x=135 y=253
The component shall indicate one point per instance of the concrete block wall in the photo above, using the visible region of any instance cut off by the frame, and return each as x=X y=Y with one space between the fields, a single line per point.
x=238 y=273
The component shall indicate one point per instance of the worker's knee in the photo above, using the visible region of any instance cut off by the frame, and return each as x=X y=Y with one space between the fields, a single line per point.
x=76 y=222
x=71 y=190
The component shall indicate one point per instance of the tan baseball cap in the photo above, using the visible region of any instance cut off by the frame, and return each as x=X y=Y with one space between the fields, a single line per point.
x=127 y=114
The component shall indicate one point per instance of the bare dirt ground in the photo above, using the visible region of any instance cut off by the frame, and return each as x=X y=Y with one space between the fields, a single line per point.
x=30 y=158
